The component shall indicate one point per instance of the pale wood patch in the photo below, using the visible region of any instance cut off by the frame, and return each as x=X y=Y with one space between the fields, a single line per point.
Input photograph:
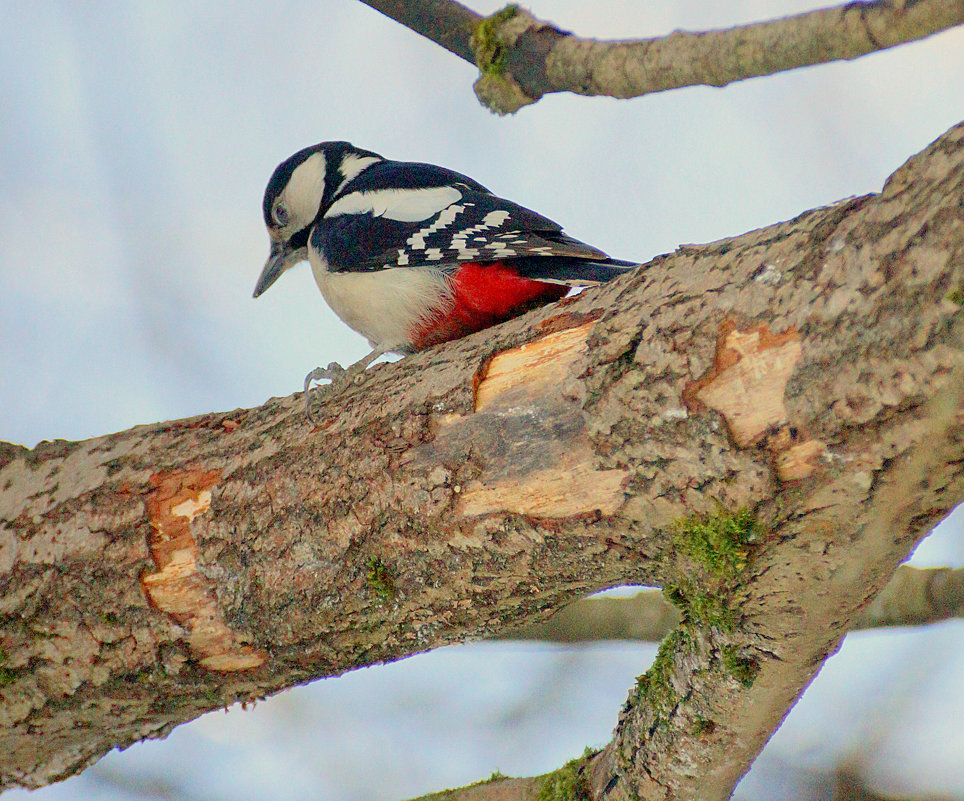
x=549 y=469
x=178 y=589
x=531 y=368
x=747 y=385
x=798 y=461
x=749 y=378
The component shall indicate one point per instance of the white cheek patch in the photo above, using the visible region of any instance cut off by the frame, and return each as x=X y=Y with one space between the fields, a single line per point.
x=302 y=195
x=404 y=205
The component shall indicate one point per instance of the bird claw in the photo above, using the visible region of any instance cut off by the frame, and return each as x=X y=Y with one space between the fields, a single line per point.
x=337 y=377
x=332 y=373
x=328 y=380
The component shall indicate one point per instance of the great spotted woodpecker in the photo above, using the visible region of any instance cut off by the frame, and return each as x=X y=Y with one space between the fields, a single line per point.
x=411 y=255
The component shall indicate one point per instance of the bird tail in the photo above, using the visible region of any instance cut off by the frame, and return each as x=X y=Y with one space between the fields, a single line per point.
x=572 y=271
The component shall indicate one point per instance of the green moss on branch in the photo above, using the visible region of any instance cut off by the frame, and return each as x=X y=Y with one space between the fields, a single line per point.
x=487 y=43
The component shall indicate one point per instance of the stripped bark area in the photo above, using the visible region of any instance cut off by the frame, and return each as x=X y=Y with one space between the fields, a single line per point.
x=549 y=469
x=177 y=587
x=151 y=575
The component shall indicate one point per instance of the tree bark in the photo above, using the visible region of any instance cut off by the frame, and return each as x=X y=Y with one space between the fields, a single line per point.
x=764 y=426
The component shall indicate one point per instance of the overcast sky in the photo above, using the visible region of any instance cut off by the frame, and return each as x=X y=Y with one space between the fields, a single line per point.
x=135 y=143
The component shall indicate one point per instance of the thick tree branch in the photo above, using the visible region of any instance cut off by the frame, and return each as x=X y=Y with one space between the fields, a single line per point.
x=722 y=423
x=913 y=597
x=522 y=58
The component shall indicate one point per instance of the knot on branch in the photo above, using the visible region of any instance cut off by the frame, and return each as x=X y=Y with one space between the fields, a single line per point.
x=510 y=47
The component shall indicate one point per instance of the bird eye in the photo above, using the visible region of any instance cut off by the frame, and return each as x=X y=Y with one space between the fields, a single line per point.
x=281 y=215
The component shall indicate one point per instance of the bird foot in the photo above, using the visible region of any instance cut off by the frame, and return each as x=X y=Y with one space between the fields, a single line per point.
x=337 y=378
x=323 y=382
x=332 y=373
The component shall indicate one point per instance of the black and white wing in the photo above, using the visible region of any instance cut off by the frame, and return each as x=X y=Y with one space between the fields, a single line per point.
x=413 y=215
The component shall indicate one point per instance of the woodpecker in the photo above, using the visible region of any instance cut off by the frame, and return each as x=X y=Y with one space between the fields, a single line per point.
x=410 y=255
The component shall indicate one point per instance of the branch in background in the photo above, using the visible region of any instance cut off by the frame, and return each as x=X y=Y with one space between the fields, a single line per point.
x=913 y=597
x=522 y=58
x=917 y=597
x=644 y=617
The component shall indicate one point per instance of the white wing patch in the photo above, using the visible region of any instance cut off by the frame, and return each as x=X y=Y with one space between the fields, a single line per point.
x=458 y=246
x=495 y=218
x=404 y=205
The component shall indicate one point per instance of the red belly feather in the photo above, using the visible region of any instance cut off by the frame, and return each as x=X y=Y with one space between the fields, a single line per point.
x=484 y=295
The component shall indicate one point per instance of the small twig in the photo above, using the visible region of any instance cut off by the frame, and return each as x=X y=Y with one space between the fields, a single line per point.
x=522 y=58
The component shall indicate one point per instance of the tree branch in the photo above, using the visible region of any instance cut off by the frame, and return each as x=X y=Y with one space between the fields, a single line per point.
x=646 y=616
x=522 y=58
x=722 y=423
x=916 y=597
x=913 y=597
x=445 y=22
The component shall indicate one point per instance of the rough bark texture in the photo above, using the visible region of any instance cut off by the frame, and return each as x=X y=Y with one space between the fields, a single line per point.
x=151 y=575
x=522 y=58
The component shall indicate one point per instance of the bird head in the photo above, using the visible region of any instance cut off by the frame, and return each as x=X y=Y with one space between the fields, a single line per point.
x=299 y=193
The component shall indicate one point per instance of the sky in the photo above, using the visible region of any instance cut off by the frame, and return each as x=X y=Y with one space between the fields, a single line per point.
x=136 y=141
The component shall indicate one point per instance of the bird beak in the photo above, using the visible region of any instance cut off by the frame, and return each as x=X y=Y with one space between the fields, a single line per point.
x=279 y=260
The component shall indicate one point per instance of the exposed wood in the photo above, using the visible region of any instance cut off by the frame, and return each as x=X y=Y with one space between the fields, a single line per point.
x=178 y=588
x=533 y=368
x=749 y=378
x=550 y=468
